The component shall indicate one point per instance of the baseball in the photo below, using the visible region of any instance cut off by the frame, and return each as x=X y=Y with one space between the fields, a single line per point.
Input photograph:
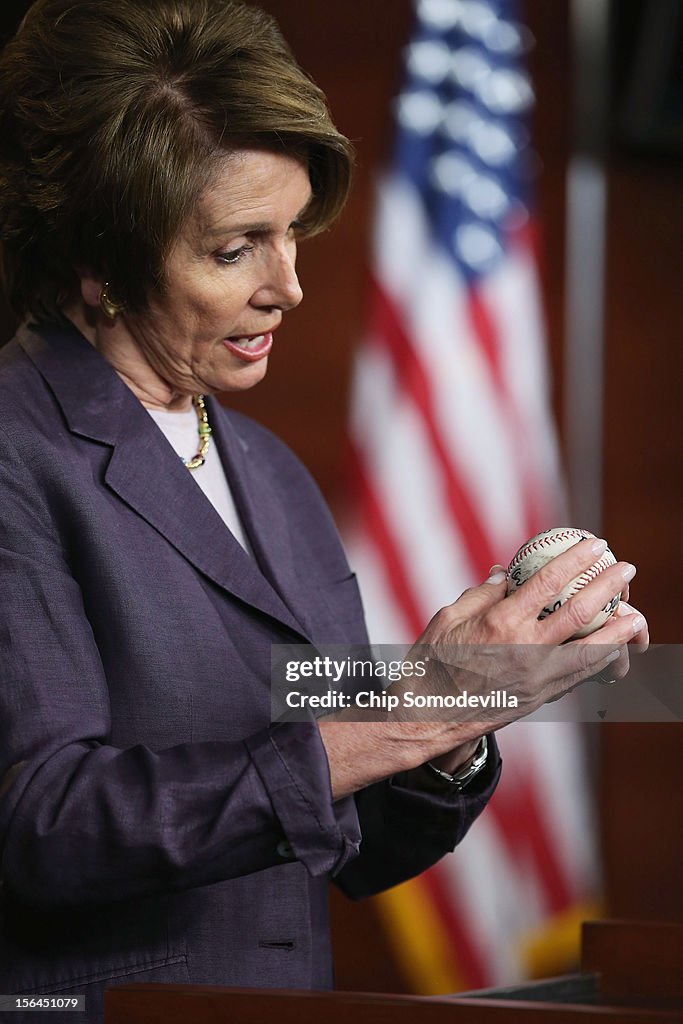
x=538 y=551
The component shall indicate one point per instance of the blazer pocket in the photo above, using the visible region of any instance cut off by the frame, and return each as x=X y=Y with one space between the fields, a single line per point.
x=168 y=969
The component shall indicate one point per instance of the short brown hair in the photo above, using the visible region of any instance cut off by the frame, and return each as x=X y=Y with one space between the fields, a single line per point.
x=112 y=116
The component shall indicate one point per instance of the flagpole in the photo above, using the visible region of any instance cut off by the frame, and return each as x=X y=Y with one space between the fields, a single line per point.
x=585 y=264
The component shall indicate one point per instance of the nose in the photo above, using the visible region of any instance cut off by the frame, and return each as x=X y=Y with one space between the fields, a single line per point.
x=280 y=288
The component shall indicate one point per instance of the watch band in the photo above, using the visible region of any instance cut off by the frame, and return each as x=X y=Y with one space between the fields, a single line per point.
x=466 y=772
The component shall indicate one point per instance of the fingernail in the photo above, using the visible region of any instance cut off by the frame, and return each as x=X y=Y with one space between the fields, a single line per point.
x=612 y=657
x=496 y=567
x=629 y=572
x=498 y=577
x=638 y=623
x=599 y=547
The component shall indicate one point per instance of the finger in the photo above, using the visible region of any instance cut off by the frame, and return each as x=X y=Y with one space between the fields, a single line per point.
x=578 y=613
x=611 y=669
x=478 y=599
x=579 y=660
x=613 y=662
x=543 y=587
x=575 y=663
x=624 y=627
x=641 y=635
x=621 y=666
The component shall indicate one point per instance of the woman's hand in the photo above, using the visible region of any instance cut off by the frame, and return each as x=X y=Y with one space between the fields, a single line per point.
x=485 y=642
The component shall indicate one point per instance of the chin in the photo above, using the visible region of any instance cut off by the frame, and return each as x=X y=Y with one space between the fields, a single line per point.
x=245 y=378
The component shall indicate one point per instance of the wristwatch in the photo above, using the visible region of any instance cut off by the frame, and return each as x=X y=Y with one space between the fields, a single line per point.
x=467 y=771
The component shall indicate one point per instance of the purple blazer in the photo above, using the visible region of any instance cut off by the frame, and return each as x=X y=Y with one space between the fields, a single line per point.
x=153 y=825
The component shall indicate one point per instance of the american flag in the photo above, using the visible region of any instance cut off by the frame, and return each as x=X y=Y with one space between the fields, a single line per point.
x=454 y=464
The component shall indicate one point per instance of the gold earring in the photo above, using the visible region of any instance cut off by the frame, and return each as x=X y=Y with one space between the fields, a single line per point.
x=109 y=307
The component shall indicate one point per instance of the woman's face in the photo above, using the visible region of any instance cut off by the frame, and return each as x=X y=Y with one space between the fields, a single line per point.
x=228 y=281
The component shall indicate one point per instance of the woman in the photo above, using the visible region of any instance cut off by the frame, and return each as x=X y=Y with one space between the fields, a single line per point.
x=159 y=163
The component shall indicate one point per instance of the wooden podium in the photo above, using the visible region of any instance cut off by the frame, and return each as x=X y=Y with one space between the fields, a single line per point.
x=631 y=973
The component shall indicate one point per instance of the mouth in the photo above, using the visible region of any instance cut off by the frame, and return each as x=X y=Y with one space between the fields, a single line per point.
x=250 y=348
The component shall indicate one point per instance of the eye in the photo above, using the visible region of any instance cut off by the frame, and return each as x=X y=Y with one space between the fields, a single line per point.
x=234 y=255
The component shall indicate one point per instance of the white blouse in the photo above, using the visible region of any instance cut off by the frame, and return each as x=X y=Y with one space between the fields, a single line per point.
x=180 y=430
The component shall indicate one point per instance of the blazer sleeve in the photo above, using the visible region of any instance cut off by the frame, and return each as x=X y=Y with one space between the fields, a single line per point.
x=83 y=821
x=407 y=830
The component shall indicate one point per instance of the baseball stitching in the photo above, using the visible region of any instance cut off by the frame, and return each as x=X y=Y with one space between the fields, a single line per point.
x=590 y=574
x=546 y=541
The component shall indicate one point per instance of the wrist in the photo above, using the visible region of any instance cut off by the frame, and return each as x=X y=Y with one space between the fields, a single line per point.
x=460 y=778
x=453 y=760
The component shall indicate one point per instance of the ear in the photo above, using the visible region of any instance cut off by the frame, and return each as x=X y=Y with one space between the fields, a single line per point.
x=91 y=287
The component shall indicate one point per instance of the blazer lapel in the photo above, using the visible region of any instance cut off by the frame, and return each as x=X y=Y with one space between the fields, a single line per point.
x=262 y=513
x=147 y=475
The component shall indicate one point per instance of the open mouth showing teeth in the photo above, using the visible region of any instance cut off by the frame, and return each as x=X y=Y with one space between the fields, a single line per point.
x=248 y=343
x=250 y=349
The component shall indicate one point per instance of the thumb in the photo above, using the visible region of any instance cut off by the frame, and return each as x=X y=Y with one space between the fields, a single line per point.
x=494 y=587
x=478 y=599
x=496 y=574
x=469 y=605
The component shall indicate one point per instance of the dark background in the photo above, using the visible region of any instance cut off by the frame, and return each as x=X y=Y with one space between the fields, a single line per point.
x=353 y=51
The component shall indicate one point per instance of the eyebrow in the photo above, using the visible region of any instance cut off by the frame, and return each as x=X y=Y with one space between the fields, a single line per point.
x=258 y=228
x=238 y=229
